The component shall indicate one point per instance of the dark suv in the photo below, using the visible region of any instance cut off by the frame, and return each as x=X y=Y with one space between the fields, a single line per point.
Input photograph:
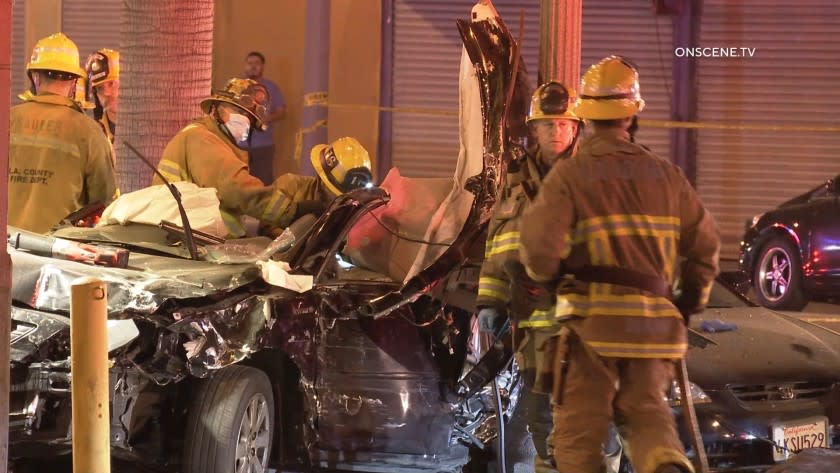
x=792 y=253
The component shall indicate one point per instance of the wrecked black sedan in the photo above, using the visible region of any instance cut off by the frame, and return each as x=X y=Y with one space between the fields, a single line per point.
x=319 y=356
x=211 y=358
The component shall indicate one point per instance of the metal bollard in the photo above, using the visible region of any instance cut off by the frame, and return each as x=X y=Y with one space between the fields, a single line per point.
x=89 y=370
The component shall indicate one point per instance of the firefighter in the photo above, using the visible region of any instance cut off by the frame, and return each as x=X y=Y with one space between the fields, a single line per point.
x=211 y=152
x=556 y=129
x=103 y=76
x=605 y=232
x=59 y=161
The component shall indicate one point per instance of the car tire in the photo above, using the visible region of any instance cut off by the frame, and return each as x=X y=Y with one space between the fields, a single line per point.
x=230 y=422
x=777 y=276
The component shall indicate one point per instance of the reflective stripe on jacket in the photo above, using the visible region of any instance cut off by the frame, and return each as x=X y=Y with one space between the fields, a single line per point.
x=494 y=285
x=617 y=204
x=201 y=153
x=108 y=127
x=59 y=162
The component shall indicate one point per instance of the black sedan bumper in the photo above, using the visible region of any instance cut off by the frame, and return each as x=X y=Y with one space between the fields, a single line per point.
x=751 y=427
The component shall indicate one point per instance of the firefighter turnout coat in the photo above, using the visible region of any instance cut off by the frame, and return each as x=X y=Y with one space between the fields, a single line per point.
x=502 y=247
x=618 y=204
x=201 y=153
x=59 y=162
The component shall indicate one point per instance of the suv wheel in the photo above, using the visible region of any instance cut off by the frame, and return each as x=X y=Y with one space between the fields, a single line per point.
x=777 y=278
x=230 y=423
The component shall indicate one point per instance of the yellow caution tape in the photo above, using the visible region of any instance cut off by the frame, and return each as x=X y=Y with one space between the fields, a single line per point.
x=320 y=98
x=734 y=126
x=414 y=110
x=315 y=98
x=299 y=138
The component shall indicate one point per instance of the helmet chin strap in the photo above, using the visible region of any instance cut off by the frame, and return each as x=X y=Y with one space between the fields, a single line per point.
x=633 y=128
x=224 y=129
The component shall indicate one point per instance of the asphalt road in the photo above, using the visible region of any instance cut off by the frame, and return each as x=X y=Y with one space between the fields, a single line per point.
x=821 y=313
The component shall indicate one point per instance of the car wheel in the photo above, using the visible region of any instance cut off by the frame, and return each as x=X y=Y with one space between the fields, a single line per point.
x=230 y=423
x=777 y=278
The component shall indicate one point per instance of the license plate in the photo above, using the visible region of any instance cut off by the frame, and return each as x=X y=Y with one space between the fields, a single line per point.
x=791 y=437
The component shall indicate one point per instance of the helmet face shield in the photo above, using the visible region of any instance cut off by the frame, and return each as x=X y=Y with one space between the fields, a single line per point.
x=343 y=166
x=552 y=100
x=103 y=66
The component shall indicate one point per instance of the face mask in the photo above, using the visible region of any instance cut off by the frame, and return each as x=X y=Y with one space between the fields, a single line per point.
x=238 y=126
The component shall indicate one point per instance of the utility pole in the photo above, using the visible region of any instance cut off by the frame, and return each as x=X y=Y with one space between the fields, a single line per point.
x=560 y=33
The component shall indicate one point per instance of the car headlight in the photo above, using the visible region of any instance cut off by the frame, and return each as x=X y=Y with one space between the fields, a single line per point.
x=674 y=395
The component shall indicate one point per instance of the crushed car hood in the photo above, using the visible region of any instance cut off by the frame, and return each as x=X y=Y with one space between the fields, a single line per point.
x=44 y=283
x=766 y=347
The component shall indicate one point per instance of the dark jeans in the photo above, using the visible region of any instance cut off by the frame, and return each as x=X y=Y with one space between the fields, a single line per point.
x=261 y=163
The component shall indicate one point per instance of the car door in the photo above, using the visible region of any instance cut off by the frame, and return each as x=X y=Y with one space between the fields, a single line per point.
x=377 y=383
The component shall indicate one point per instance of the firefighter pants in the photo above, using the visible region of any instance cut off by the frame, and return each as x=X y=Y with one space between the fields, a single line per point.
x=534 y=408
x=589 y=391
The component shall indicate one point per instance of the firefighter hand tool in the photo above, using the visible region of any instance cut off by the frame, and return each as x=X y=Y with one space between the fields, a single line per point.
x=690 y=418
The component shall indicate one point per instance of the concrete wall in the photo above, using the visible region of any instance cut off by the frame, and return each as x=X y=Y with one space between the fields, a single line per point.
x=277 y=29
x=355 y=60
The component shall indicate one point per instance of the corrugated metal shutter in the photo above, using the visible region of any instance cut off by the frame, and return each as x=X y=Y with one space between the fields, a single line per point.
x=744 y=173
x=427 y=51
x=92 y=24
x=631 y=29
x=19 y=55
x=427 y=54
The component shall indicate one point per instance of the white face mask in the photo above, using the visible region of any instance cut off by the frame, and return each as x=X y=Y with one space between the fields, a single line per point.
x=238 y=125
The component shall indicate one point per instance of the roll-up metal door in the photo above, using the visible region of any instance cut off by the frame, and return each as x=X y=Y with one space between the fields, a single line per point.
x=631 y=29
x=427 y=51
x=790 y=80
x=19 y=56
x=427 y=55
x=92 y=24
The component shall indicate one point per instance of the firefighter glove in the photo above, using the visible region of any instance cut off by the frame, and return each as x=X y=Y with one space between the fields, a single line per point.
x=688 y=302
x=491 y=319
x=310 y=207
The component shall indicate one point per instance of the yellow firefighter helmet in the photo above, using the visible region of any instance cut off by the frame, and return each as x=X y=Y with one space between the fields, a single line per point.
x=552 y=100
x=246 y=94
x=610 y=90
x=343 y=165
x=103 y=66
x=56 y=53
